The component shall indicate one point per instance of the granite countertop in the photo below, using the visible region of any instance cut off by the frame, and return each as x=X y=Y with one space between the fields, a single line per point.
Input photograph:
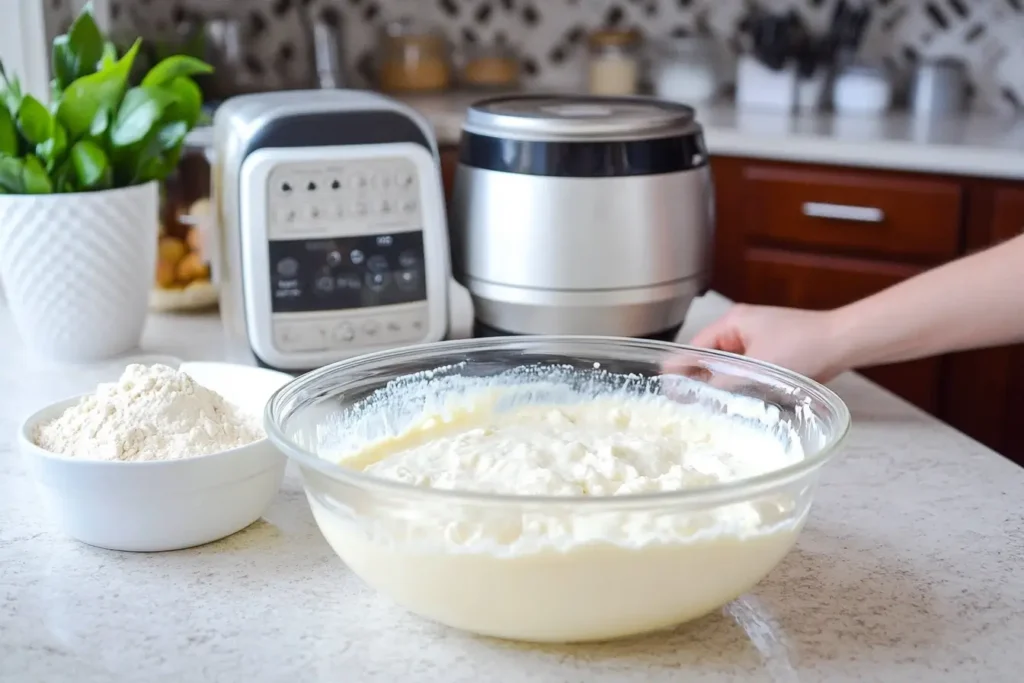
x=971 y=145
x=909 y=569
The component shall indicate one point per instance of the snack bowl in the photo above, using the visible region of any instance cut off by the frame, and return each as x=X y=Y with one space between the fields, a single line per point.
x=554 y=568
x=167 y=504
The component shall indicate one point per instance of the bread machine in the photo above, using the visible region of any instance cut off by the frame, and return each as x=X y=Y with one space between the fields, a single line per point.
x=582 y=215
x=334 y=239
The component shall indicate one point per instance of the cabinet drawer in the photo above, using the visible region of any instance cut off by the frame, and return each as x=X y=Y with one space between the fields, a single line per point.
x=780 y=278
x=854 y=212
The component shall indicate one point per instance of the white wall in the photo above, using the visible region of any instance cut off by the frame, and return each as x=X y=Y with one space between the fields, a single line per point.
x=23 y=45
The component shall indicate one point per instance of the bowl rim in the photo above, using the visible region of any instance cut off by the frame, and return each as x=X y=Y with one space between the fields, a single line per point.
x=723 y=493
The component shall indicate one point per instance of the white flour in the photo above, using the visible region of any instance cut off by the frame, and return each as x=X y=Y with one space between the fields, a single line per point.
x=151 y=413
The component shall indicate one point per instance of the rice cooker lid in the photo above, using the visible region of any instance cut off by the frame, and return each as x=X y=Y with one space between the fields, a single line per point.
x=557 y=118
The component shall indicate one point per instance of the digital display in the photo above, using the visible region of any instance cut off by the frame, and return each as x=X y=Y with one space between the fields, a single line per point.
x=347 y=272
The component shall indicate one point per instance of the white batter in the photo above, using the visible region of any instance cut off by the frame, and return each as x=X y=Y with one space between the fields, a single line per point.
x=568 y=573
x=601 y=447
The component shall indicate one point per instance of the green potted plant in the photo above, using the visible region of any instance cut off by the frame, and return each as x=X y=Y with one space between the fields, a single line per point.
x=79 y=191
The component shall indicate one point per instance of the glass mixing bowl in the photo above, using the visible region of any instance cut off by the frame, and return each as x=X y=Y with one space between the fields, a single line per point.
x=554 y=568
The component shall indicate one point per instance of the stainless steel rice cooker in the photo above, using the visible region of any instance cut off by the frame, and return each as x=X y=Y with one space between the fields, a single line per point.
x=582 y=215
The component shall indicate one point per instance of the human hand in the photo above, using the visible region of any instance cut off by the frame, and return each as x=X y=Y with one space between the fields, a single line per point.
x=802 y=341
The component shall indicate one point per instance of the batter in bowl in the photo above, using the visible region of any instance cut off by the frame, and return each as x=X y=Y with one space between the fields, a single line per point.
x=606 y=446
x=554 y=572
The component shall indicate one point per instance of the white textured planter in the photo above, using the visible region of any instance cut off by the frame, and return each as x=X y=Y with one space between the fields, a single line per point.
x=77 y=269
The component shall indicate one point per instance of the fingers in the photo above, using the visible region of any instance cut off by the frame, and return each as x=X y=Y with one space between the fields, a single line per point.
x=721 y=336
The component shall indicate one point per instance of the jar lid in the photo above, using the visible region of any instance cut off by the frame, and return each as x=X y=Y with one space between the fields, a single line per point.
x=411 y=30
x=614 y=37
x=579 y=118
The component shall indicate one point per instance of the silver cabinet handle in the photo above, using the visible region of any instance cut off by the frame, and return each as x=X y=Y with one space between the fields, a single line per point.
x=843 y=212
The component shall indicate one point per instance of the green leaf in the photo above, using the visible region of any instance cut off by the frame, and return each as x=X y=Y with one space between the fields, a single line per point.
x=172 y=135
x=109 y=54
x=34 y=120
x=92 y=167
x=138 y=114
x=85 y=42
x=64 y=178
x=87 y=95
x=63 y=62
x=11 y=175
x=174 y=66
x=34 y=177
x=52 y=150
x=188 y=100
x=12 y=94
x=8 y=134
x=100 y=123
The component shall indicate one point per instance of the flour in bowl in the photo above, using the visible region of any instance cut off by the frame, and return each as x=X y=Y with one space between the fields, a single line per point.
x=151 y=413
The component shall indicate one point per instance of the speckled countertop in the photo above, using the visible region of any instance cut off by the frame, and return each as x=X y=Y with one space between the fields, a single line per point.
x=911 y=568
x=974 y=145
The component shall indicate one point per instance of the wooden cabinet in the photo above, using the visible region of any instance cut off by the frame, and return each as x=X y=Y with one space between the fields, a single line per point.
x=852 y=212
x=984 y=390
x=818 y=282
x=449 y=160
x=820 y=237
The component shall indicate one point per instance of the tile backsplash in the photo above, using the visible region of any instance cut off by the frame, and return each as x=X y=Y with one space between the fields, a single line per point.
x=987 y=34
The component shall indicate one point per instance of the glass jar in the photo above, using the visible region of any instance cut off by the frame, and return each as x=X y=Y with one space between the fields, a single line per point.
x=614 y=62
x=413 y=59
x=183 y=274
x=685 y=70
x=490 y=67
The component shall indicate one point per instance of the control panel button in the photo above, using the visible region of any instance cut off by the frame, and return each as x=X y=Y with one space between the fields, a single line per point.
x=287 y=267
x=377 y=264
x=343 y=334
x=325 y=284
x=371 y=328
x=385 y=206
x=294 y=336
x=334 y=258
x=336 y=184
x=408 y=259
x=357 y=257
x=403 y=179
x=286 y=215
x=378 y=282
x=360 y=208
x=394 y=327
x=409 y=206
x=407 y=279
x=313 y=213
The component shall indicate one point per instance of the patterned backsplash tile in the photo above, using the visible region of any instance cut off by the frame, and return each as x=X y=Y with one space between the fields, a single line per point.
x=549 y=34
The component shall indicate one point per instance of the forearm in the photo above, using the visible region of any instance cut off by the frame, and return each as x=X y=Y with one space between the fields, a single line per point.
x=976 y=301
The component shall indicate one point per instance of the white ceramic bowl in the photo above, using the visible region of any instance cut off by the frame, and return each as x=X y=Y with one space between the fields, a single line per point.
x=163 y=505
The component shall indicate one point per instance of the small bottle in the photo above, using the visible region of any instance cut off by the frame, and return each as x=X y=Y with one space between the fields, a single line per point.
x=614 y=64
